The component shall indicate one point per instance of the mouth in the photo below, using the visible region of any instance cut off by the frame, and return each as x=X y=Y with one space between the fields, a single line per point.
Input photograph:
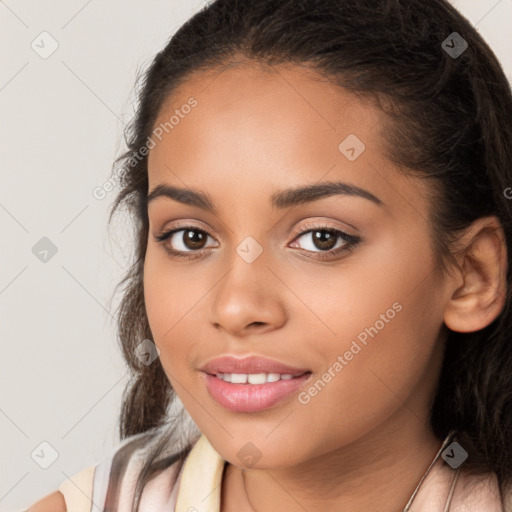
x=252 y=392
x=250 y=365
x=255 y=378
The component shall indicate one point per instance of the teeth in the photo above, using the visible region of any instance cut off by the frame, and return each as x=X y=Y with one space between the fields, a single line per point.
x=253 y=378
x=238 y=378
x=257 y=378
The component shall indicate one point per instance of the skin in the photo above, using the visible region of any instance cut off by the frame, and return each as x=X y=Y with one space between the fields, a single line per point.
x=53 y=502
x=364 y=440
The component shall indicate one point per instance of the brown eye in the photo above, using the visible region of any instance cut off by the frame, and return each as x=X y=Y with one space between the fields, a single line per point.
x=323 y=241
x=191 y=240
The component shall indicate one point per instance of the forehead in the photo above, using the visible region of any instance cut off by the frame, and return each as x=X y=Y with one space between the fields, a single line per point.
x=289 y=100
x=257 y=128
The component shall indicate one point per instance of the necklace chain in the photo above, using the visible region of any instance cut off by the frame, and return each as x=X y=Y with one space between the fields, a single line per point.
x=448 y=439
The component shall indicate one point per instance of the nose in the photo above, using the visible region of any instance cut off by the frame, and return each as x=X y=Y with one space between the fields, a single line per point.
x=249 y=299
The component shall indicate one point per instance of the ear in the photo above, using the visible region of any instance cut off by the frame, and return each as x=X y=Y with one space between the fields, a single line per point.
x=479 y=291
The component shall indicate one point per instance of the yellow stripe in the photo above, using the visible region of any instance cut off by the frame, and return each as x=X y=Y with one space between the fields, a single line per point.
x=77 y=491
x=200 y=484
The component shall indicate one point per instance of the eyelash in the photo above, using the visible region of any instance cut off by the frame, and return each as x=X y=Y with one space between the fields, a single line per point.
x=351 y=241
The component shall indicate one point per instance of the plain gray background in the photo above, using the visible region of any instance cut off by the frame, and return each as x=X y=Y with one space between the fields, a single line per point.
x=61 y=371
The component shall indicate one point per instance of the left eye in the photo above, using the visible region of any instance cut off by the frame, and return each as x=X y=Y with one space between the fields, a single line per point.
x=325 y=239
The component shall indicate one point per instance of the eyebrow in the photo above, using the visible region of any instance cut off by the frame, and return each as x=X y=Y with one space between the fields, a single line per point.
x=282 y=199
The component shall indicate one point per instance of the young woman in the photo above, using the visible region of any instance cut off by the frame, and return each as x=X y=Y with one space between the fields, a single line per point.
x=318 y=315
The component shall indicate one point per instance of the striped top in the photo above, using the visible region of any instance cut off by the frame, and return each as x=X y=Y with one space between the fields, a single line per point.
x=192 y=482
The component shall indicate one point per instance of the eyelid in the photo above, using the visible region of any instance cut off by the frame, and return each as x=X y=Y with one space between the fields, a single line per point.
x=320 y=224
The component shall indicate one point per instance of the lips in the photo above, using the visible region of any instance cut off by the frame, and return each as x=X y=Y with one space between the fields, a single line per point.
x=250 y=365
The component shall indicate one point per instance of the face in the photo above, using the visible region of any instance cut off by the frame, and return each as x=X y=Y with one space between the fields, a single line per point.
x=342 y=285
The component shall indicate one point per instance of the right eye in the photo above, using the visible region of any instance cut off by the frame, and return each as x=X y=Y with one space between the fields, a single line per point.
x=191 y=241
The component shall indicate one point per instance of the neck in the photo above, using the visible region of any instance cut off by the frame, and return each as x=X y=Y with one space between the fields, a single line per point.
x=381 y=469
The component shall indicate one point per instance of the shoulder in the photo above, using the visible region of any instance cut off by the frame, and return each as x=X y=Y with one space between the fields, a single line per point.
x=111 y=484
x=54 y=502
x=478 y=492
x=79 y=491
x=112 y=481
x=460 y=490
x=75 y=493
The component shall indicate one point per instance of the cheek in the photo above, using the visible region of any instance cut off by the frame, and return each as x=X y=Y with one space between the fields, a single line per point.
x=378 y=312
x=386 y=316
x=384 y=368
x=169 y=299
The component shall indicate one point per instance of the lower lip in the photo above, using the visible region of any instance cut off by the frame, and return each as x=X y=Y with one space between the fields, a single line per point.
x=252 y=397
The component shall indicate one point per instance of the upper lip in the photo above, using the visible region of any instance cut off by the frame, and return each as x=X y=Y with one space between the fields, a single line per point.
x=250 y=364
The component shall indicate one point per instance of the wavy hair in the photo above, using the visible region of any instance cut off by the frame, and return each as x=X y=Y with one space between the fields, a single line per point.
x=446 y=119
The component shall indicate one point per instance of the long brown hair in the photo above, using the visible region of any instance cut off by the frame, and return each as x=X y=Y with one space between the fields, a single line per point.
x=449 y=122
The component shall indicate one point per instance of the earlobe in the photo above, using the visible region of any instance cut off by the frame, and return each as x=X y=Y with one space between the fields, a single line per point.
x=483 y=270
